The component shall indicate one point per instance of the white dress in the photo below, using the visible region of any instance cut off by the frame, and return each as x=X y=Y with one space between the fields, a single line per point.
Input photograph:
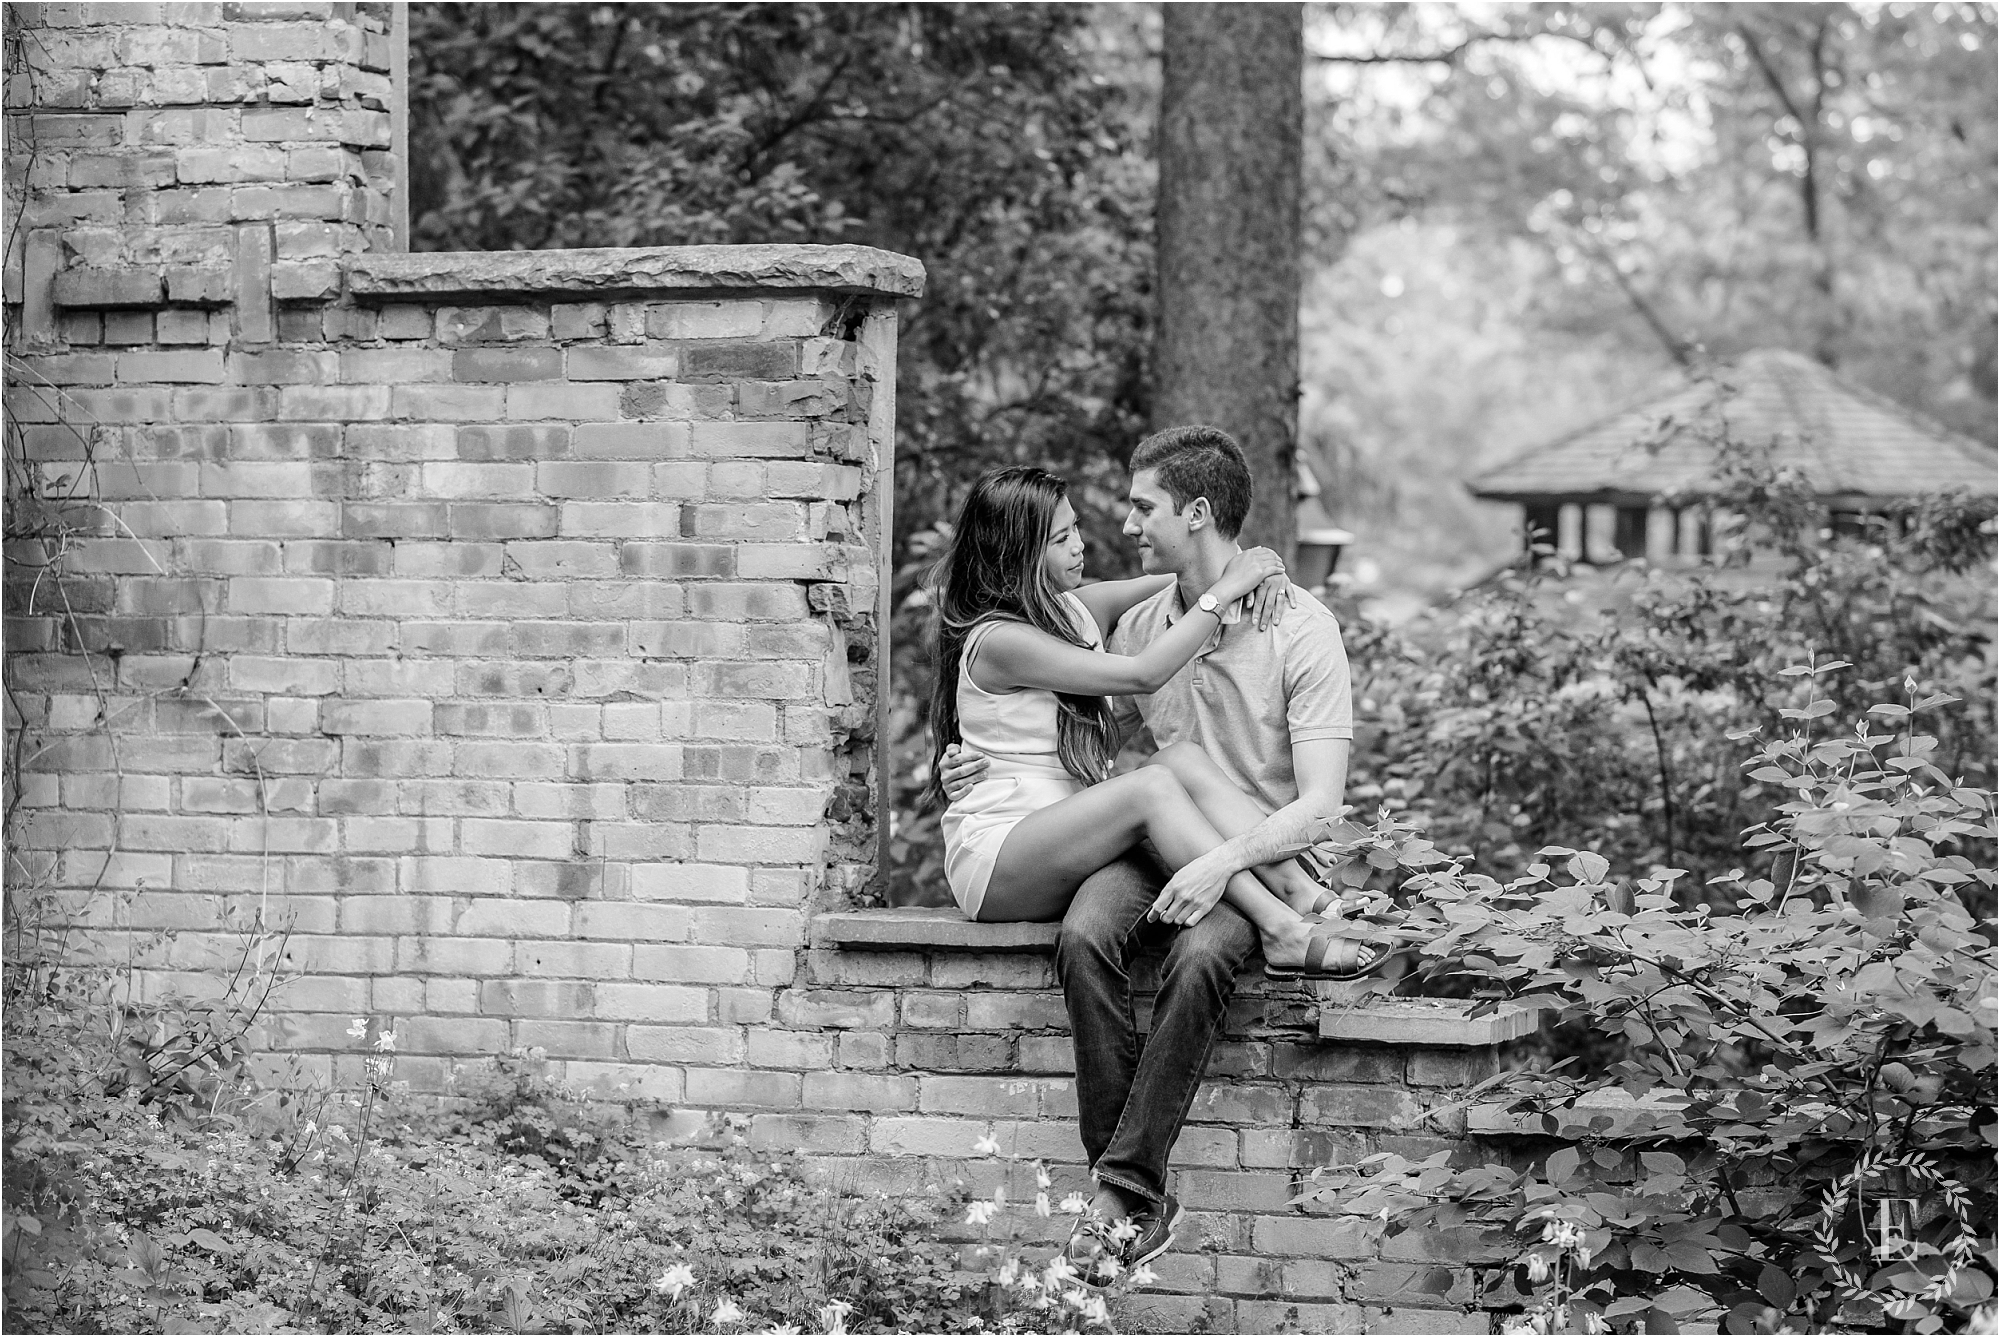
x=1017 y=732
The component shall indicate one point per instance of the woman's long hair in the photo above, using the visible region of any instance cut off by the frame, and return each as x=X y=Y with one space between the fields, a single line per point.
x=993 y=569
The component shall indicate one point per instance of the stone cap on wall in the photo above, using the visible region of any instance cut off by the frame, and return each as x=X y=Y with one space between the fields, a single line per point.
x=938 y=927
x=1452 y=1022
x=631 y=271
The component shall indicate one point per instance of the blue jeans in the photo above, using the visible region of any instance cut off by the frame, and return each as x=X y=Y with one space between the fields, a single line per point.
x=1132 y=1098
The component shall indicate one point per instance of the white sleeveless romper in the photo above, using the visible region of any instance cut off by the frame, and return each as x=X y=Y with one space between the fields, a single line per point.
x=1017 y=731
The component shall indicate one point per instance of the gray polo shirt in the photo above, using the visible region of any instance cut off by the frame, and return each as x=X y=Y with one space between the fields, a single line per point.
x=1247 y=696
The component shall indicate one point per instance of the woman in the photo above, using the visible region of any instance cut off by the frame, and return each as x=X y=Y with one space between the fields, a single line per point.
x=1023 y=677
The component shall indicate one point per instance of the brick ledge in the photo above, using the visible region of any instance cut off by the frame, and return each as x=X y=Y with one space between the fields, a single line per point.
x=639 y=271
x=914 y=928
x=1432 y=1022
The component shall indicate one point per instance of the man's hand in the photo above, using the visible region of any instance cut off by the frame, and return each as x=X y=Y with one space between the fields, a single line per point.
x=960 y=771
x=1194 y=890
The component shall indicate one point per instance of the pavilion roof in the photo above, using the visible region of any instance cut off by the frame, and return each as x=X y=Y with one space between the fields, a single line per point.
x=1852 y=444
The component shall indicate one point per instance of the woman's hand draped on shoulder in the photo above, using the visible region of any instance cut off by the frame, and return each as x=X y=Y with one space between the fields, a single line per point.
x=1015 y=655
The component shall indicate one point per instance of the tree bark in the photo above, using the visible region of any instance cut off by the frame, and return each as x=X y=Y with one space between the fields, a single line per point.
x=1226 y=342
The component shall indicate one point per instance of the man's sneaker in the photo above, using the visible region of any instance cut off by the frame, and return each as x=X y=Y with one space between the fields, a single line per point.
x=1156 y=1232
x=1090 y=1243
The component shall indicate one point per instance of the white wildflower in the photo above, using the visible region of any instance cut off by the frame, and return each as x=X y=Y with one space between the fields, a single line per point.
x=1143 y=1275
x=833 y=1316
x=1075 y=1204
x=979 y=1213
x=725 y=1312
x=357 y=1028
x=675 y=1280
x=1538 y=1268
x=386 y=1041
x=1096 y=1312
x=1041 y=1176
x=1041 y=1204
x=988 y=1145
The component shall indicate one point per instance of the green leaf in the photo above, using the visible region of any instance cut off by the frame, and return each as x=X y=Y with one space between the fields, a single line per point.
x=1589 y=868
x=1775 y=1285
x=1563 y=1164
x=1877 y=902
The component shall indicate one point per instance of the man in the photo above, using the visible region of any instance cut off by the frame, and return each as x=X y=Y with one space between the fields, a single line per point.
x=1272 y=711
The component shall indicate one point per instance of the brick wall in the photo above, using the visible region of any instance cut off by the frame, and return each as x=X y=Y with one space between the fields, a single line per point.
x=507 y=626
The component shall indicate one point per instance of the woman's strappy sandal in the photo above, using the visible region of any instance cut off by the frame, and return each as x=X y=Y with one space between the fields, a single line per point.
x=1331 y=955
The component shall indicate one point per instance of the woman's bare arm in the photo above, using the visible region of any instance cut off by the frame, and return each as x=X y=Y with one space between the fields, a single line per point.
x=1015 y=655
x=1109 y=600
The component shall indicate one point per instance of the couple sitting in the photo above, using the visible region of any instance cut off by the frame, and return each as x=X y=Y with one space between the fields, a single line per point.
x=1251 y=708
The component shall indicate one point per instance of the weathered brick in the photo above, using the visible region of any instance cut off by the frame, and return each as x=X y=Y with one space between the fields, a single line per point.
x=1453 y=1246
x=1339 y=1237
x=859 y=1091
x=872 y=1010
x=568 y=1037
x=514 y=839
x=749 y=440
x=730 y=1088
x=768 y=522
x=491 y=324
x=512 y=442
x=537 y=401
x=690 y=882
x=670 y=1003
x=774 y=361
x=734 y=319
x=447 y=403
x=506 y=364
x=630 y=440
x=808 y=1133
x=626 y=1081
x=1431 y=1322
x=628 y=921
x=1294 y=1316
x=1406 y=1284
x=677 y=560
x=925 y=1137
x=1452 y=1067
x=1359 y=1106
x=690 y=964
x=454 y=956
x=621 y=364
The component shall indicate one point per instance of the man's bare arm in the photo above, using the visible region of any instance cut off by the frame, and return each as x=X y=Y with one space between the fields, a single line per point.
x=1320 y=765
x=1321 y=768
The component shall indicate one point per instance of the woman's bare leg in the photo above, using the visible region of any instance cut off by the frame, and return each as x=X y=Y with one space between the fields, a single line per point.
x=1231 y=812
x=1049 y=853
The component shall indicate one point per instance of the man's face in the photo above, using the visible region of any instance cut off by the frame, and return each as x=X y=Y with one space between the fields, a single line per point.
x=1162 y=535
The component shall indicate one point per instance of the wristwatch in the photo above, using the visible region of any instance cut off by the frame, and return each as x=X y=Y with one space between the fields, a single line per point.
x=1208 y=603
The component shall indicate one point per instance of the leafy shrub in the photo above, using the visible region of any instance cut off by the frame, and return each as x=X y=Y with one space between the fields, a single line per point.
x=1518 y=718
x=1810 y=1056
x=517 y=1208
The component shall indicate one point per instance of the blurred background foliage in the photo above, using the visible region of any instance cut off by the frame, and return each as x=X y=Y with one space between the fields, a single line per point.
x=1519 y=217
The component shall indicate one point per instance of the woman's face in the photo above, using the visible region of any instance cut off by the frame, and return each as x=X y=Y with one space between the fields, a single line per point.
x=1062 y=554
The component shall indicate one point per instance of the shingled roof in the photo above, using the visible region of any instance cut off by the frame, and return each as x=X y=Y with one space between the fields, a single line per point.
x=1855 y=446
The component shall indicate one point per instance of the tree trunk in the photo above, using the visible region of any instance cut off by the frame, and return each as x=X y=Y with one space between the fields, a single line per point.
x=1226 y=344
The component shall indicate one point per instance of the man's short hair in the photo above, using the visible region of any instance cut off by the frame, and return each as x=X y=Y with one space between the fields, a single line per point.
x=1200 y=461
